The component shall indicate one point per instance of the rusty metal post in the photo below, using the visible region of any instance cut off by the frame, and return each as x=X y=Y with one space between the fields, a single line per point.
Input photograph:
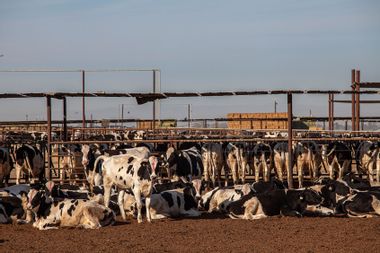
x=48 y=117
x=83 y=102
x=329 y=117
x=357 y=86
x=188 y=115
x=154 y=102
x=290 y=141
x=332 y=111
x=353 y=105
x=64 y=119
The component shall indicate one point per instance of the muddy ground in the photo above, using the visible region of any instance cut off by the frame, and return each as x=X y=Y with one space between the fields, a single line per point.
x=207 y=234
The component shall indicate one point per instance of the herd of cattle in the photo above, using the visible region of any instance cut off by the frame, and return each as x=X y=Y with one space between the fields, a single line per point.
x=187 y=180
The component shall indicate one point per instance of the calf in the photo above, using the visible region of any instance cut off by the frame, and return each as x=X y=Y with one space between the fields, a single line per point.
x=29 y=160
x=129 y=172
x=262 y=161
x=6 y=165
x=363 y=204
x=212 y=158
x=338 y=158
x=219 y=198
x=51 y=214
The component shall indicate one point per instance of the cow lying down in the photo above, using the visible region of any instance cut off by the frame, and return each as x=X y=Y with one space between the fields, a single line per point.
x=82 y=213
x=167 y=204
x=278 y=202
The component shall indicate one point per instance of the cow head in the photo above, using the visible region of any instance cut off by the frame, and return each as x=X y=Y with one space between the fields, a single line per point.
x=300 y=200
x=153 y=161
x=35 y=199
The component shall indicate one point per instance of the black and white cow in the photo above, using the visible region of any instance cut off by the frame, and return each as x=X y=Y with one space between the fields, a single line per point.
x=135 y=135
x=368 y=159
x=307 y=158
x=51 y=214
x=361 y=204
x=338 y=158
x=29 y=160
x=184 y=164
x=280 y=158
x=218 y=199
x=278 y=202
x=130 y=172
x=213 y=162
x=262 y=161
x=237 y=161
x=6 y=165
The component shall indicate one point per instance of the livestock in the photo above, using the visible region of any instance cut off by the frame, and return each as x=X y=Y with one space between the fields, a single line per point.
x=278 y=202
x=212 y=158
x=70 y=159
x=184 y=164
x=6 y=165
x=218 y=199
x=307 y=157
x=262 y=161
x=337 y=157
x=51 y=214
x=29 y=160
x=237 y=161
x=280 y=151
x=129 y=172
x=368 y=157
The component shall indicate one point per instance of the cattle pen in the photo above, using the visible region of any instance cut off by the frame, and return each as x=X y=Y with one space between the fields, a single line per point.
x=175 y=135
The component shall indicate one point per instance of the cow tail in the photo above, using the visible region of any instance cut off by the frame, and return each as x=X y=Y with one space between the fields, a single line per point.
x=101 y=157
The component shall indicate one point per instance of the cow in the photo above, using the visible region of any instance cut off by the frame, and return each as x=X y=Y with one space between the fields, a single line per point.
x=297 y=203
x=212 y=158
x=70 y=159
x=134 y=135
x=361 y=204
x=129 y=172
x=262 y=161
x=280 y=158
x=307 y=157
x=273 y=184
x=237 y=161
x=218 y=199
x=89 y=155
x=337 y=157
x=174 y=203
x=6 y=165
x=82 y=213
x=368 y=157
x=184 y=164
x=29 y=160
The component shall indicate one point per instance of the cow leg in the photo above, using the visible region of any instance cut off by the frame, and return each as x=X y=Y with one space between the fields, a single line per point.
x=370 y=171
x=343 y=169
x=120 y=202
x=234 y=173
x=378 y=170
x=18 y=174
x=257 y=172
x=300 y=174
x=147 y=206
x=244 y=165
x=266 y=173
x=331 y=170
x=226 y=175
x=107 y=191
x=137 y=194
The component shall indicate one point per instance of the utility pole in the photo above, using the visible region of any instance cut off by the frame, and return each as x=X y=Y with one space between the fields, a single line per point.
x=188 y=115
x=275 y=106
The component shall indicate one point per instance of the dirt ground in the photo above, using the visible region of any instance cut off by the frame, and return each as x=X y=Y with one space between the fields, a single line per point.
x=207 y=234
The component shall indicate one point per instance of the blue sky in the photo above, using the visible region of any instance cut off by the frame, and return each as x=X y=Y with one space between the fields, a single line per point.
x=198 y=45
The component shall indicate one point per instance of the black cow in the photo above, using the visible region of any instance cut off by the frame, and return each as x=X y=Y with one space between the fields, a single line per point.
x=30 y=160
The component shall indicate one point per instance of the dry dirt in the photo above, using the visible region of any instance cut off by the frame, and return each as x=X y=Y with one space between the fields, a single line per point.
x=207 y=234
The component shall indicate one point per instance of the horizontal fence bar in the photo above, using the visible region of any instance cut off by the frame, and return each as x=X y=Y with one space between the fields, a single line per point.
x=361 y=101
x=77 y=70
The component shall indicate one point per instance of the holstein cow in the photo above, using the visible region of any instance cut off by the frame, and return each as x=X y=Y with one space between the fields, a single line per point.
x=6 y=165
x=280 y=158
x=51 y=214
x=307 y=158
x=337 y=157
x=218 y=199
x=70 y=159
x=361 y=204
x=129 y=172
x=278 y=202
x=185 y=165
x=237 y=161
x=368 y=157
x=212 y=158
x=29 y=160
x=262 y=161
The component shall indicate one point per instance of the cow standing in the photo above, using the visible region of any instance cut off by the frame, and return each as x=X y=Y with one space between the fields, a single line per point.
x=237 y=161
x=338 y=158
x=262 y=161
x=368 y=157
x=6 y=165
x=280 y=151
x=212 y=158
x=29 y=160
x=307 y=157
